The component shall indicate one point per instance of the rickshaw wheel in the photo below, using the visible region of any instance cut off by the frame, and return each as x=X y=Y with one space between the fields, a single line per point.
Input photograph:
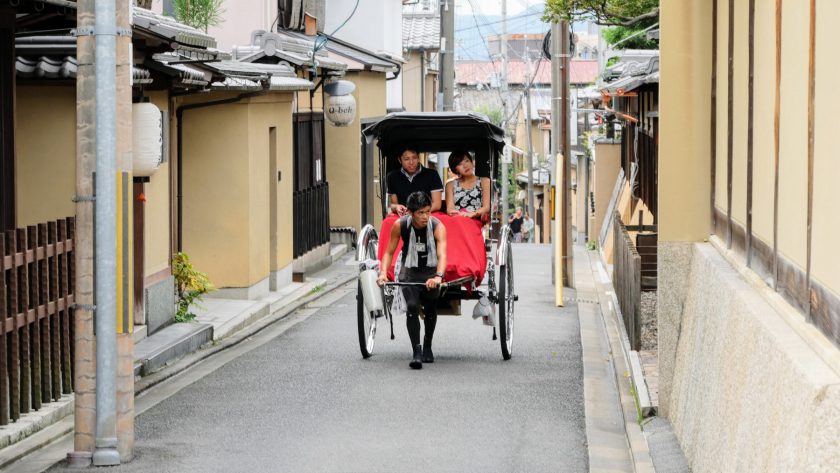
x=367 y=325
x=366 y=320
x=506 y=301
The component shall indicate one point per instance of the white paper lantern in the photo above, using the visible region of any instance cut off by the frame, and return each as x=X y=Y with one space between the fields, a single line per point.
x=147 y=141
x=341 y=105
x=341 y=109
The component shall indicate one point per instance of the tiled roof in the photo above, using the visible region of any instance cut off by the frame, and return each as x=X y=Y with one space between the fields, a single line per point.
x=182 y=74
x=44 y=67
x=486 y=72
x=633 y=70
x=285 y=47
x=275 y=83
x=421 y=32
x=47 y=57
x=367 y=59
x=169 y=28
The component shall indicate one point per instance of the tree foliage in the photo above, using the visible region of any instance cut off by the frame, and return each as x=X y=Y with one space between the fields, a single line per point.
x=494 y=114
x=629 y=37
x=200 y=14
x=602 y=12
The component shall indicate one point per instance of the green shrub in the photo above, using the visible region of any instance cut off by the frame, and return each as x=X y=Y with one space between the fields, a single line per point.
x=192 y=284
x=591 y=245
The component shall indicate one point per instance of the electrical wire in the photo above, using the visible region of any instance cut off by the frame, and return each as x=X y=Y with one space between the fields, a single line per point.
x=487 y=48
x=316 y=46
x=512 y=18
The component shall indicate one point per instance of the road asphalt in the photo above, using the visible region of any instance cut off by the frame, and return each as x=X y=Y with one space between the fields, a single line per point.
x=304 y=400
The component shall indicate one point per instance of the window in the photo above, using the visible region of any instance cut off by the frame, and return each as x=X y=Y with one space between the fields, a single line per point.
x=309 y=149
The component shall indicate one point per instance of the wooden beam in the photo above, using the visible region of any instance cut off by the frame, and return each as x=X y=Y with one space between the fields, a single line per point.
x=811 y=93
x=7 y=119
x=750 y=135
x=730 y=91
x=778 y=100
x=713 y=126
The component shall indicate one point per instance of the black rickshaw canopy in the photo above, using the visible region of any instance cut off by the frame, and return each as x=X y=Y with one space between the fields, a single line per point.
x=438 y=131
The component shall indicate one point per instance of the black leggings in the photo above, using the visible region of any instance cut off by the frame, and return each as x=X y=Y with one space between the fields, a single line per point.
x=416 y=297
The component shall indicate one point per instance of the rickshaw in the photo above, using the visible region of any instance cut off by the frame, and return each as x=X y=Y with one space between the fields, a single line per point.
x=441 y=132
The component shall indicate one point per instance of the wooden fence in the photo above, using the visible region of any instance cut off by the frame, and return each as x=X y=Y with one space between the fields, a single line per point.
x=627 y=281
x=36 y=337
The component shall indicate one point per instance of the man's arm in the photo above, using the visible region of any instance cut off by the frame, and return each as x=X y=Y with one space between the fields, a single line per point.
x=395 y=206
x=440 y=242
x=436 y=200
x=389 y=254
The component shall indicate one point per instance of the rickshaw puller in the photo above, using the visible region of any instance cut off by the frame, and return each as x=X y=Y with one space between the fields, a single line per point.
x=423 y=261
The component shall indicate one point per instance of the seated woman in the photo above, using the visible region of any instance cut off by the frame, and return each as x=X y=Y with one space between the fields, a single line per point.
x=468 y=195
x=409 y=178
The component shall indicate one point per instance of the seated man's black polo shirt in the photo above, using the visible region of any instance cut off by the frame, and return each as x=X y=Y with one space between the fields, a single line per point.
x=402 y=185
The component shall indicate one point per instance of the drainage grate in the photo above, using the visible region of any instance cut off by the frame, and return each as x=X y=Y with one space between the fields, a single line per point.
x=580 y=301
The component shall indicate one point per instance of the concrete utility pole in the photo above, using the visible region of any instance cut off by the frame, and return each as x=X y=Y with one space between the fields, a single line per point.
x=85 y=390
x=563 y=263
x=568 y=255
x=528 y=82
x=505 y=101
x=104 y=385
x=447 y=51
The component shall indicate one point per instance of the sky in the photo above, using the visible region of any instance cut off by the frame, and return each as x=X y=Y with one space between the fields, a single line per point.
x=474 y=26
x=494 y=7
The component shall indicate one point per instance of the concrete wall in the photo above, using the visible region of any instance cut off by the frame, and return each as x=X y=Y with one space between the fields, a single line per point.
x=607 y=163
x=45 y=164
x=749 y=393
x=412 y=82
x=156 y=228
x=343 y=148
x=226 y=190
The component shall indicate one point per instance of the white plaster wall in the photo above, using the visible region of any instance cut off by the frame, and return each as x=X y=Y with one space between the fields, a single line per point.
x=241 y=17
x=375 y=26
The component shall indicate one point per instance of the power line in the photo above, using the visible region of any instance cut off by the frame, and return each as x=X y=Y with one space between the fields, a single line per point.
x=486 y=47
x=499 y=21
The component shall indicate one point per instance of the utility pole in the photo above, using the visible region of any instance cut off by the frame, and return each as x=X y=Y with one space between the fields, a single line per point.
x=84 y=416
x=103 y=375
x=568 y=255
x=447 y=51
x=528 y=82
x=504 y=87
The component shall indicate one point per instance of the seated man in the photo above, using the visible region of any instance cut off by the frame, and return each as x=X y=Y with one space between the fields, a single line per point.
x=424 y=261
x=409 y=178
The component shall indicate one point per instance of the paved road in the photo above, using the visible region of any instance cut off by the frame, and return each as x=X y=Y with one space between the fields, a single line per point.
x=306 y=401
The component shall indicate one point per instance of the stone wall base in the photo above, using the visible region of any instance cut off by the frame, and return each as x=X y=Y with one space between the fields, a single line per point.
x=744 y=385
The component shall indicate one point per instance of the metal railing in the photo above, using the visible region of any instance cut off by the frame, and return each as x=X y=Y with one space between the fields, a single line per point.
x=311 y=227
x=36 y=336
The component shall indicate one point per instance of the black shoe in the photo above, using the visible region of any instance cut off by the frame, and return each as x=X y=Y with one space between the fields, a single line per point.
x=428 y=356
x=417 y=359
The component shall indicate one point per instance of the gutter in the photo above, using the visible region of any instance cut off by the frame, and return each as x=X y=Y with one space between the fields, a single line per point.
x=179 y=117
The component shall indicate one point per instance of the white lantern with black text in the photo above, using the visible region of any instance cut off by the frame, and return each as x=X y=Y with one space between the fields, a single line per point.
x=147 y=142
x=341 y=105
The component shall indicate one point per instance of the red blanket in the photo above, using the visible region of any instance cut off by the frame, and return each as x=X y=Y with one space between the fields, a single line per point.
x=465 y=254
